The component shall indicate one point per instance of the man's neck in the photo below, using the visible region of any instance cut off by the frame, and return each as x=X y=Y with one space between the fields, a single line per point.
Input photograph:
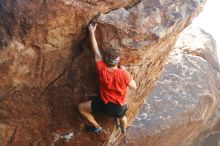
x=113 y=68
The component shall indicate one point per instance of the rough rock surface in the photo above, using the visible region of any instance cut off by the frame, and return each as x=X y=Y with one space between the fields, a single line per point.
x=47 y=68
x=183 y=109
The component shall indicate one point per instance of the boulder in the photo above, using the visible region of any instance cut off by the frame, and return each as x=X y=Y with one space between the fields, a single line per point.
x=47 y=67
x=183 y=109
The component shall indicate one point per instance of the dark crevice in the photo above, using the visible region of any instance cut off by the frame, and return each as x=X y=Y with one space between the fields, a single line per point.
x=126 y=7
x=80 y=47
x=52 y=82
x=133 y=5
x=1 y=41
x=12 y=137
x=9 y=92
x=42 y=66
x=39 y=65
x=88 y=2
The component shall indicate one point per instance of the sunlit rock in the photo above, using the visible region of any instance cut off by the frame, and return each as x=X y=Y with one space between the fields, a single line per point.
x=185 y=101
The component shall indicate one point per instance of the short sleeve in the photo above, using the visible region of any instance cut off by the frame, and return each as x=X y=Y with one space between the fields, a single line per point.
x=128 y=77
x=100 y=65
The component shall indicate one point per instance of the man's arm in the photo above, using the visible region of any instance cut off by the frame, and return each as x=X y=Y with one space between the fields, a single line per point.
x=132 y=84
x=95 y=48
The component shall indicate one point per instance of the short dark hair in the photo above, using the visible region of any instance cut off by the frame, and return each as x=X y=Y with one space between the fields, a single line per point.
x=110 y=56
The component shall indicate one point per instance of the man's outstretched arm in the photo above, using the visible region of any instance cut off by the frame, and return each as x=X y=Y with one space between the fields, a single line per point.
x=95 y=48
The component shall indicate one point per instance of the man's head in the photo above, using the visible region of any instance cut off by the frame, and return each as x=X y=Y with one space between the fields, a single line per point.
x=111 y=57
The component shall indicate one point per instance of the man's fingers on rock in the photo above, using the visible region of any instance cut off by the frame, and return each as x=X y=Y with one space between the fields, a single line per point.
x=92 y=26
x=95 y=24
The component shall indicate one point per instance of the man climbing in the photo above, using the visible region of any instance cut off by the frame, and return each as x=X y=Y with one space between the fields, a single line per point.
x=113 y=88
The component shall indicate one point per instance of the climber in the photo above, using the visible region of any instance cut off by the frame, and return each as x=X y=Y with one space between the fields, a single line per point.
x=114 y=81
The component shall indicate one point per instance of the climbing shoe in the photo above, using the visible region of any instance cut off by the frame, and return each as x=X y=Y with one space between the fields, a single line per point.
x=94 y=129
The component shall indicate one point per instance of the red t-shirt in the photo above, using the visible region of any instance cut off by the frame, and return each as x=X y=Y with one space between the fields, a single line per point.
x=113 y=85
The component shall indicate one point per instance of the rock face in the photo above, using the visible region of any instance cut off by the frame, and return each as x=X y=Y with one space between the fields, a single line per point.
x=183 y=109
x=47 y=67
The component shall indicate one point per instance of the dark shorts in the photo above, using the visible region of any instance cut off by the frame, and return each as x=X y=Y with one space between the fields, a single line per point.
x=112 y=109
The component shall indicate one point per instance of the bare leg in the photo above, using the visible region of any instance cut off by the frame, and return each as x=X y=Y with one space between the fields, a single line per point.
x=86 y=111
x=117 y=122
x=123 y=124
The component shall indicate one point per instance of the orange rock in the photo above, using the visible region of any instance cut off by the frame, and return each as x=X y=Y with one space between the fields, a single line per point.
x=47 y=68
